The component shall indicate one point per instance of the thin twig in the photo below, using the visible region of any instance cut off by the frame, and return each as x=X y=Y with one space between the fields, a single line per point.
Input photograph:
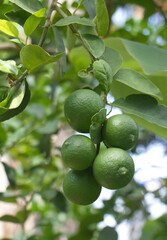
x=42 y=39
x=47 y=24
x=75 y=31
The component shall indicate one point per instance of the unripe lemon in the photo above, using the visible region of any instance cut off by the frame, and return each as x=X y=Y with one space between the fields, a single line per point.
x=79 y=108
x=78 y=152
x=80 y=187
x=113 y=168
x=120 y=131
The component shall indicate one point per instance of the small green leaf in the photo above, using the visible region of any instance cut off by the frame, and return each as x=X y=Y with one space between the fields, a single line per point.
x=113 y=58
x=33 y=56
x=74 y=19
x=108 y=233
x=138 y=82
x=3 y=137
x=94 y=44
x=99 y=117
x=8 y=66
x=33 y=21
x=3 y=92
x=29 y=6
x=60 y=202
x=102 y=18
x=90 y=7
x=22 y=215
x=103 y=73
x=9 y=218
x=8 y=28
x=96 y=125
x=16 y=102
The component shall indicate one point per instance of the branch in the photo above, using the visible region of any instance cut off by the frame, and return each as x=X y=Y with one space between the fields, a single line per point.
x=75 y=31
x=47 y=24
x=42 y=39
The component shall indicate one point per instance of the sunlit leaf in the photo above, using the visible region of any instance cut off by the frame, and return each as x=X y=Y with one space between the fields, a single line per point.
x=33 y=21
x=9 y=28
x=33 y=56
x=16 y=102
x=3 y=92
x=8 y=66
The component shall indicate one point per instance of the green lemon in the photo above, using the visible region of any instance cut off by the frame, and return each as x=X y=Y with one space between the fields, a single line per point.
x=113 y=168
x=120 y=131
x=80 y=187
x=79 y=108
x=78 y=152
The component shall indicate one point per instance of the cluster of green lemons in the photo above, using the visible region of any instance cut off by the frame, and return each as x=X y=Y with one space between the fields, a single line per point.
x=112 y=167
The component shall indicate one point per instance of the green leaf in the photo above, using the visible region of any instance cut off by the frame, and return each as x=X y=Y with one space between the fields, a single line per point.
x=33 y=21
x=15 y=103
x=60 y=202
x=146 y=111
x=90 y=7
x=8 y=66
x=49 y=127
x=94 y=44
x=8 y=197
x=29 y=6
x=9 y=218
x=5 y=8
x=96 y=125
x=45 y=145
x=108 y=233
x=11 y=174
x=152 y=59
x=137 y=81
x=8 y=28
x=102 y=18
x=33 y=56
x=3 y=136
x=22 y=215
x=3 y=92
x=80 y=58
x=74 y=19
x=113 y=58
x=103 y=73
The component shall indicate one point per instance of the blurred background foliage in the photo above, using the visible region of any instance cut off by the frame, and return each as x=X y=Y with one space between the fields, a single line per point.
x=30 y=142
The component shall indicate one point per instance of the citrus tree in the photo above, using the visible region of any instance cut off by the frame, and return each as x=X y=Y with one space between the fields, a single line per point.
x=64 y=67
